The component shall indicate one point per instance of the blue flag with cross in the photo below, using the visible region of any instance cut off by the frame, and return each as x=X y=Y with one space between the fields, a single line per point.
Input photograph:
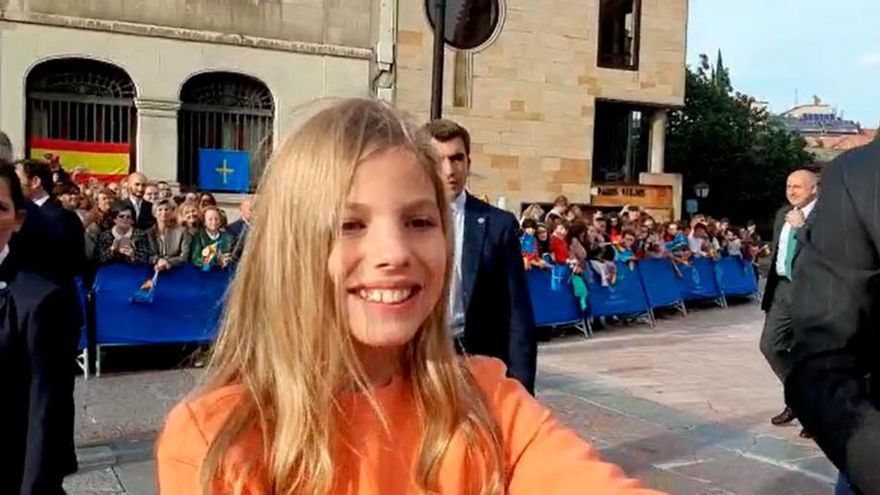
x=224 y=170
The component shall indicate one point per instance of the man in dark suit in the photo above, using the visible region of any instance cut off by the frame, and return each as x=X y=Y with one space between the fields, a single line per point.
x=38 y=328
x=143 y=209
x=239 y=228
x=833 y=386
x=490 y=309
x=801 y=189
x=63 y=256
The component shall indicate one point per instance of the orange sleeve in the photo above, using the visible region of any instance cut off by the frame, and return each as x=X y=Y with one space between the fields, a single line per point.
x=543 y=455
x=181 y=450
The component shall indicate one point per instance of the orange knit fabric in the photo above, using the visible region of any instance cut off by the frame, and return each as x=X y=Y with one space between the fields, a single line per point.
x=543 y=457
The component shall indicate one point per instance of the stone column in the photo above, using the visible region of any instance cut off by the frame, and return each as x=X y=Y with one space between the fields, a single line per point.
x=157 y=138
x=657 y=141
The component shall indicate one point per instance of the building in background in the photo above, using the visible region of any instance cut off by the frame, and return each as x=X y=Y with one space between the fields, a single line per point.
x=569 y=97
x=124 y=86
x=826 y=132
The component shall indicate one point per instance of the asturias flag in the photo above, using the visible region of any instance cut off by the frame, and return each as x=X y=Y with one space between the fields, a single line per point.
x=107 y=162
x=224 y=170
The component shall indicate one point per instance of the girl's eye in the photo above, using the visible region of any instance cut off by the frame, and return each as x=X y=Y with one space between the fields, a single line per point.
x=423 y=223
x=350 y=226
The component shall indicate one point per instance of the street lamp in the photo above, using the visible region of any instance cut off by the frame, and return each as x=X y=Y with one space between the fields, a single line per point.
x=702 y=190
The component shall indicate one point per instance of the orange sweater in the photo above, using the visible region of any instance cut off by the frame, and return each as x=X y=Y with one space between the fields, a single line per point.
x=542 y=455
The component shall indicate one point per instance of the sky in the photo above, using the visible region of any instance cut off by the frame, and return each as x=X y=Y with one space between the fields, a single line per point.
x=774 y=48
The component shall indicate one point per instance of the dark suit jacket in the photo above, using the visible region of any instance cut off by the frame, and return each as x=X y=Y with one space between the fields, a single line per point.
x=70 y=249
x=38 y=336
x=834 y=387
x=51 y=243
x=772 y=276
x=498 y=310
x=238 y=230
x=144 y=219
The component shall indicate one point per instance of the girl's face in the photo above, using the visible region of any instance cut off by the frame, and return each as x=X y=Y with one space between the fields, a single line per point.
x=672 y=229
x=192 y=197
x=191 y=216
x=213 y=221
x=530 y=230
x=560 y=231
x=542 y=233
x=390 y=258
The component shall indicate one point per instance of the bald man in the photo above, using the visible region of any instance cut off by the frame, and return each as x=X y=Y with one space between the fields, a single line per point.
x=801 y=189
x=143 y=209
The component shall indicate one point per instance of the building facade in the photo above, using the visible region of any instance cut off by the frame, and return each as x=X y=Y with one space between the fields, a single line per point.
x=164 y=79
x=567 y=98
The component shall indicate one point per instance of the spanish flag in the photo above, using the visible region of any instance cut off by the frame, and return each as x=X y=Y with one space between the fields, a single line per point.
x=107 y=162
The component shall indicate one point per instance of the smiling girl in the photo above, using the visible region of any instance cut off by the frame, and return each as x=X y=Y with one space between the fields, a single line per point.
x=334 y=371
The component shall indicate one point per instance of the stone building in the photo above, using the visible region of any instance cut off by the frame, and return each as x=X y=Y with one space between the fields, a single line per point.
x=570 y=97
x=158 y=80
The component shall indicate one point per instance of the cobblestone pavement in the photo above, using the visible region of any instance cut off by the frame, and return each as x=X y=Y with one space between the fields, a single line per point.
x=684 y=406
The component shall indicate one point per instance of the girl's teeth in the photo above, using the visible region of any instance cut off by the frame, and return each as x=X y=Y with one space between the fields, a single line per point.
x=385 y=296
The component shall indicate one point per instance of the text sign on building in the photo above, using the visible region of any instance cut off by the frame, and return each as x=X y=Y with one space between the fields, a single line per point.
x=658 y=197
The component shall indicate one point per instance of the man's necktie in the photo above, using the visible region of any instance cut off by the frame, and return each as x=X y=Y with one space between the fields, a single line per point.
x=790 y=246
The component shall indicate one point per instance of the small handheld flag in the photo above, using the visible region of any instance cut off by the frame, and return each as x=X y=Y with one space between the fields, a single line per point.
x=208 y=255
x=145 y=293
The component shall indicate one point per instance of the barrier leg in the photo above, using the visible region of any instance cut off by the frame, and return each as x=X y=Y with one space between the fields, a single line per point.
x=651 y=318
x=83 y=362
x=589 y=323
x=681 y=307
x=722 y=301
x=97 y=361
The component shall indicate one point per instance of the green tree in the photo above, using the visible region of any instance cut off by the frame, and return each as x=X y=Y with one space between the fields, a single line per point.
x=722 y=138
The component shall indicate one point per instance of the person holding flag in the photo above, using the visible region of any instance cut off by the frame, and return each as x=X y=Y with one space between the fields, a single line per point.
x=211 y=245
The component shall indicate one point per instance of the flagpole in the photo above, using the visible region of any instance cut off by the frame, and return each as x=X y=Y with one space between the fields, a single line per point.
x=437 y=75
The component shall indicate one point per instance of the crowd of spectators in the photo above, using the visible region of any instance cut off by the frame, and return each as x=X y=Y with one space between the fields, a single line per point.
x=593 y=240
x=139 y=222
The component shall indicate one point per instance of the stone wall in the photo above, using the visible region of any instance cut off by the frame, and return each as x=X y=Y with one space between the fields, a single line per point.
x=335 y=22
x=534 y=90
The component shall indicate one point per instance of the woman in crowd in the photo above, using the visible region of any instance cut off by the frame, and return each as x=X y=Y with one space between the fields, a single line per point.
x=84 y=208
x=188 y=217
x=543 y=235
x=123 y=243
x=171 y=242
x=534 y=211
x=559 y=210
x=101 y=219
x=211 y=246
x=577 y=246
x=206 y=199
x=334 y=371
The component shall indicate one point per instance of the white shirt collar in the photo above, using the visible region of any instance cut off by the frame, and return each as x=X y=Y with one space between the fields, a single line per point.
x=41 y=200
x=809 y=208
x=4 y=254
x=459 y=202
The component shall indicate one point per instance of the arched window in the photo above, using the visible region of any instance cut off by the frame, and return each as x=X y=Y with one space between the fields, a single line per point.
x=81 y=113
x=221 y=113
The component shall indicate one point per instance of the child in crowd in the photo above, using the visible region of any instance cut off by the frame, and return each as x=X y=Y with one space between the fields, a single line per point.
x=559 y=244
x=529 y=245
x=543 y=236
x=211 y=246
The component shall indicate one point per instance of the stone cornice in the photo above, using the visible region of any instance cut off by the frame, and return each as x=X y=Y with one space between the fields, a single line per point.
x=157 y=108
x=184 y=34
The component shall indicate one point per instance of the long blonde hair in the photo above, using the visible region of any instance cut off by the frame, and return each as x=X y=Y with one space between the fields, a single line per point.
x=285 y=336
